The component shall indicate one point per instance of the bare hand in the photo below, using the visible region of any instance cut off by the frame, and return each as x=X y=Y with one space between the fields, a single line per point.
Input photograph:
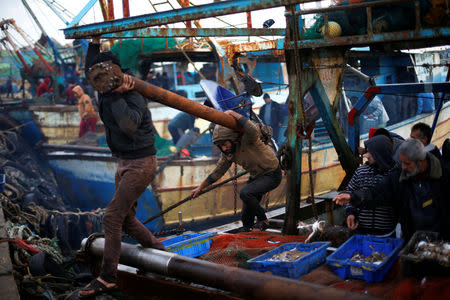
x=195 y=192
x=127 y=84
x=342 y=199
x=233 y=114
x=351 y=224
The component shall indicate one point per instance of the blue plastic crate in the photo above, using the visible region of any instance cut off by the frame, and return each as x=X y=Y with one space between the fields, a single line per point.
x=344 y=268
x=291 y=269
x=189 y=244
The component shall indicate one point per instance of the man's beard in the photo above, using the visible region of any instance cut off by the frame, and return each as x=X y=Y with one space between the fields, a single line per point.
x=231 y=151
x=413 y=173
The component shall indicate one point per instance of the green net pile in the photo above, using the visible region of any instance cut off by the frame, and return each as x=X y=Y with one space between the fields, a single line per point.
x=128 y=50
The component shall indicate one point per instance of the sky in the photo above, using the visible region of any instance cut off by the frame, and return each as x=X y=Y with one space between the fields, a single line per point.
x=53 y=24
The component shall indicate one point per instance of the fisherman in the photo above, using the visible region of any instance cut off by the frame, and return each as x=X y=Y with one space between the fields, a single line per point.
x=425 y=102
x=381 y=220
x=271 y=114
x=9 y=87
x=86 y=110
x=419 y=189
x=179 y=124
x=422 y=132
x=248 y=150
x=44 y=89
x=130 y=136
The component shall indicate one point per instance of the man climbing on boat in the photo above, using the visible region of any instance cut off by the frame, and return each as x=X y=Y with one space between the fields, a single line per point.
x=130 y=136
x=248 y=150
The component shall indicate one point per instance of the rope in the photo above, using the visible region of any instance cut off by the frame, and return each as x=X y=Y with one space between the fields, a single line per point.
x=210 y=188
x=4 y=144
x=235 y=188
x=311 y=181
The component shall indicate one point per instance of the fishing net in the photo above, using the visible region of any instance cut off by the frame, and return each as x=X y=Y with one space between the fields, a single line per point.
x=128 y=51
x=236 y=249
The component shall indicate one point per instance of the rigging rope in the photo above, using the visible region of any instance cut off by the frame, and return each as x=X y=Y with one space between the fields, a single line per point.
x=210 y=188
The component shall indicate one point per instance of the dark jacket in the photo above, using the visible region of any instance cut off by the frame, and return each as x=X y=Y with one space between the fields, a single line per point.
x=251 y=152
x=423 y=203
x=382 y=219
x=276 y=116
x=128 y=123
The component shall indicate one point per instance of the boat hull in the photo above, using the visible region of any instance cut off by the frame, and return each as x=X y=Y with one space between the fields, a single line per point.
x=88 y=178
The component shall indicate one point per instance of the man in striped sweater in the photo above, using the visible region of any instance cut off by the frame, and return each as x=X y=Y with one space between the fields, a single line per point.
x=380 y=221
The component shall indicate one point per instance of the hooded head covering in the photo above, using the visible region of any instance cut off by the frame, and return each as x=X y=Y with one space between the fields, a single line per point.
x=78 y=90
x=47 y=80
x=222 y=133
x=380 y=147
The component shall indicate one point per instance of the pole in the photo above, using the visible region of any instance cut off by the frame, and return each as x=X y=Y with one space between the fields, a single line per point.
x=173 y=100
x=245 y=283
x=26 y=66
x=209 y=188
x=24 y=36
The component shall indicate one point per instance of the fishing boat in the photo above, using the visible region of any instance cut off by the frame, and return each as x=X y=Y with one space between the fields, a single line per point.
x=87 y=173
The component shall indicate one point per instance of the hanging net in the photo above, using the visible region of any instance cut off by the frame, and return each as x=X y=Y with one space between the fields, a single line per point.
x=128 y=51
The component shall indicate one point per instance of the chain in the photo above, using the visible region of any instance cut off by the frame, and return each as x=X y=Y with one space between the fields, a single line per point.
x=235 y=188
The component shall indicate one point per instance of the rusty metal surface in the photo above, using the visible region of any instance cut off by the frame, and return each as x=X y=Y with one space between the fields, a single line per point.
x=110 y=9
x=195 y=32
x=175 y=16
x=184 y=104
x=149 y=286
x=126 y=8
x=438 y=36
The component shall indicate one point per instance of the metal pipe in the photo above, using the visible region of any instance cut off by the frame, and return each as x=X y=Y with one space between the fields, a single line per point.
x=126 y=8
x=173 y=100
x=245 y=283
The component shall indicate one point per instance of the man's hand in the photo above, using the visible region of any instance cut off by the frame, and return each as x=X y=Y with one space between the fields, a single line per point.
x=342 y=199
x=127 y=84
x=195 y=192
x=351 y=224
x=234 y=114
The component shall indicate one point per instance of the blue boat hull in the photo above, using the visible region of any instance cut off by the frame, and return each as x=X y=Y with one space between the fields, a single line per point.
x=89 y=184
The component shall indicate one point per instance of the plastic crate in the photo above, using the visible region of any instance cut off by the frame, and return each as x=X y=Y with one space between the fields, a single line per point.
x=414 y=266
x=344 y=268
x=189 y=244
x=291 y=269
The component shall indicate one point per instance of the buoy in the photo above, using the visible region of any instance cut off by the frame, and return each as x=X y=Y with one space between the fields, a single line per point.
x=334 y=29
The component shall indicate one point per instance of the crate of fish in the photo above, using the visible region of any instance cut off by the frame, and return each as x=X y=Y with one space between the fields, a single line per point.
x=189 y=244
x=291 y=260
x=426 y=254
x=365 y=257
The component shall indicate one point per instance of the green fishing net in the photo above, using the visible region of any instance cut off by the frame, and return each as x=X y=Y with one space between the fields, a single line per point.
x=128 y=50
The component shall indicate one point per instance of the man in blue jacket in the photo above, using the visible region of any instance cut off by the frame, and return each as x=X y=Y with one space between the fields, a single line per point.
x=130 y=136
x=271 y=114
